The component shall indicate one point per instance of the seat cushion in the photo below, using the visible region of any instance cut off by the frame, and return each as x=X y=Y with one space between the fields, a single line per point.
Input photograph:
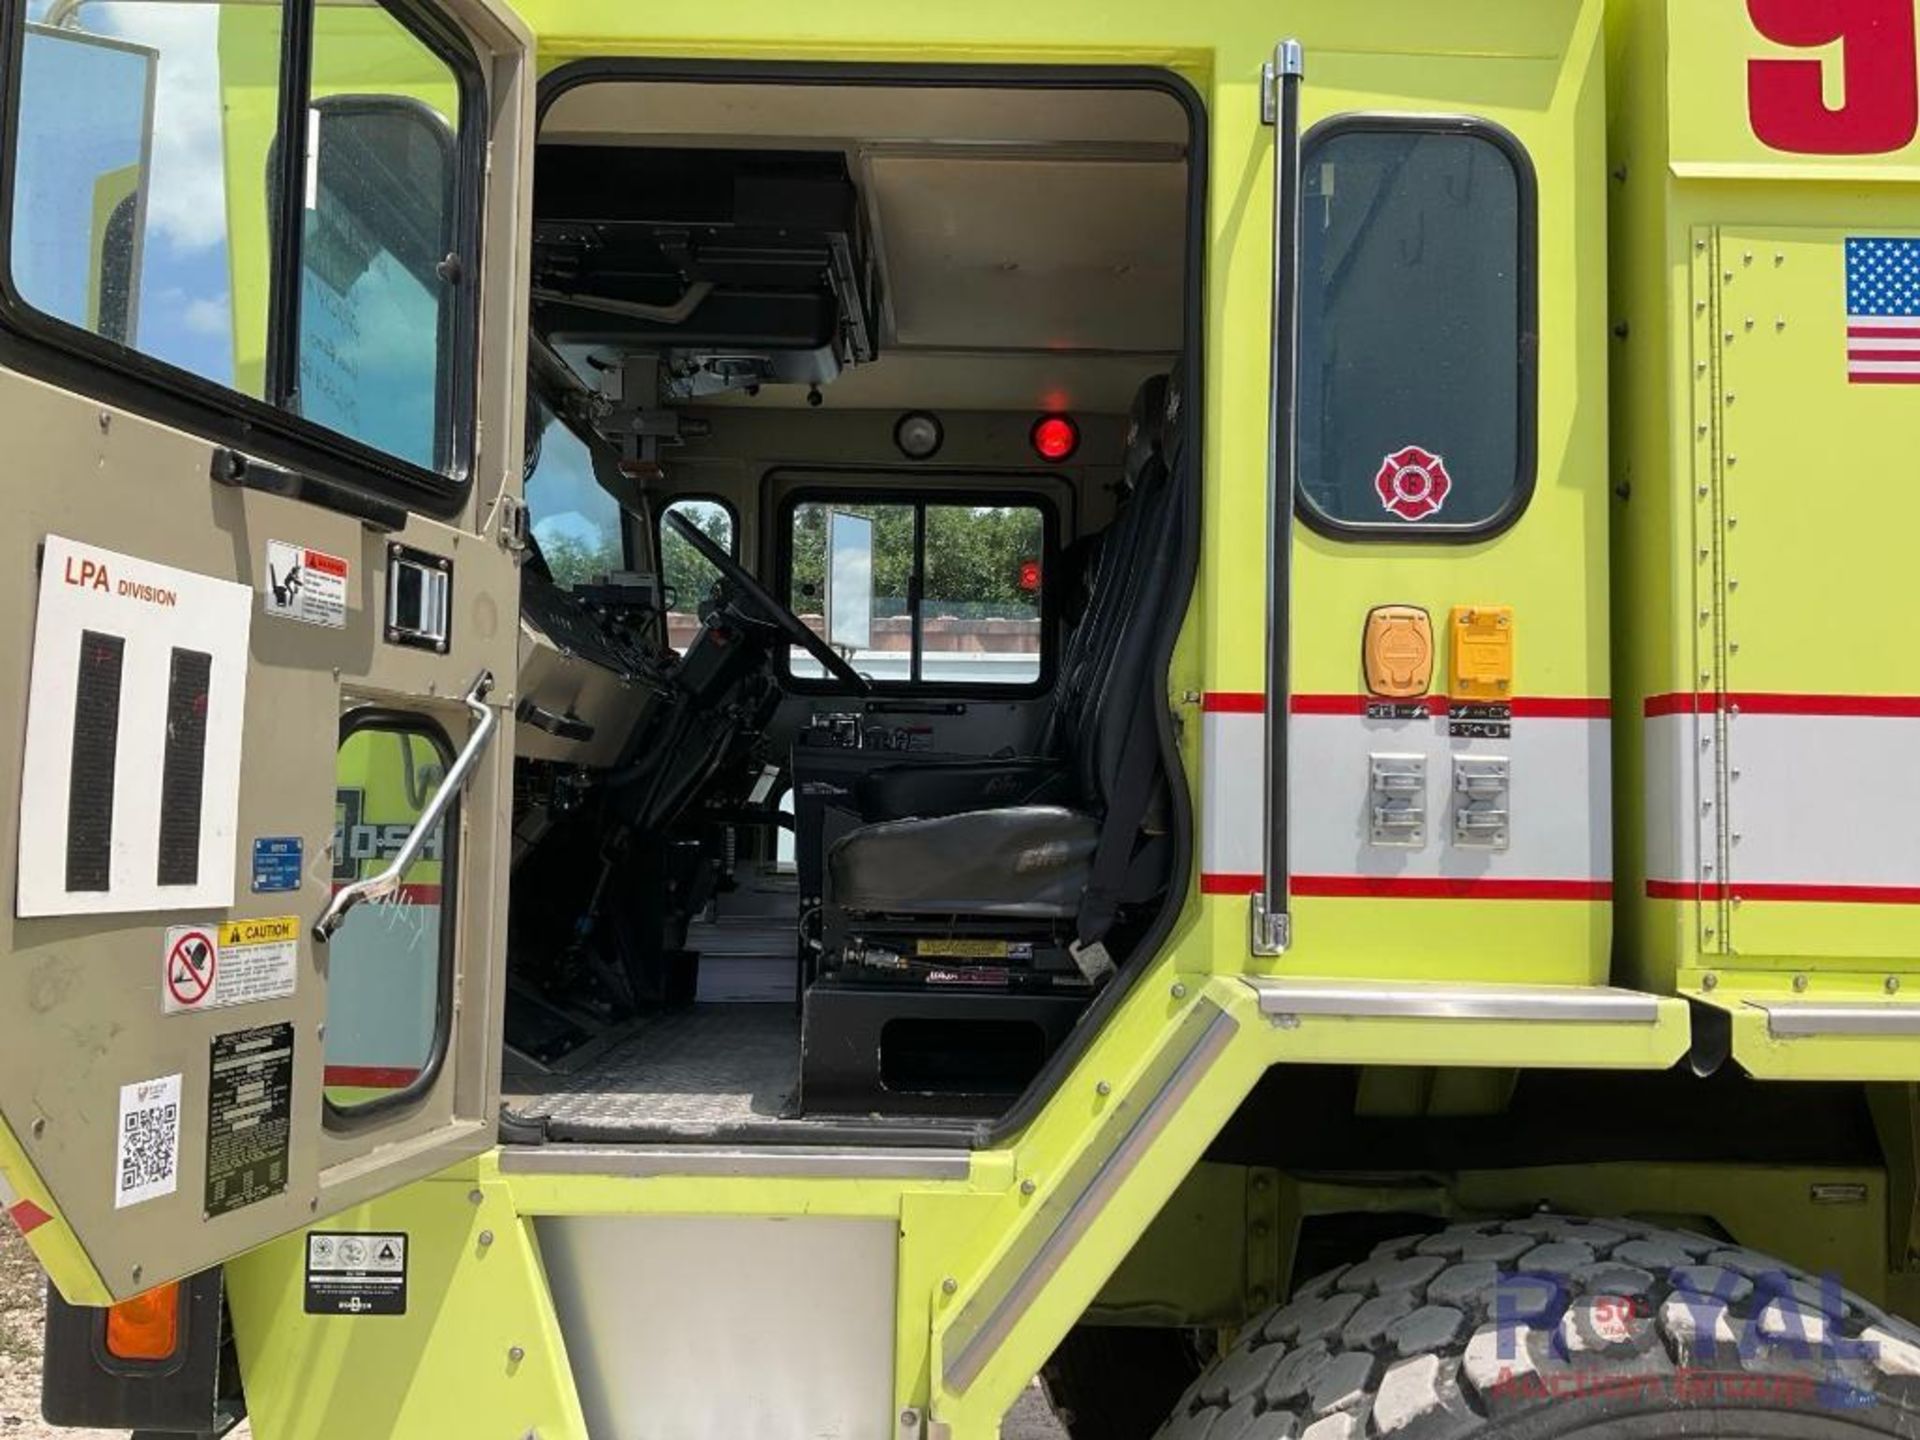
x=1028 y=862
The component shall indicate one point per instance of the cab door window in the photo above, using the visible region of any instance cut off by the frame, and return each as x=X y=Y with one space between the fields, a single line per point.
x=390 y=965
x=160 y=212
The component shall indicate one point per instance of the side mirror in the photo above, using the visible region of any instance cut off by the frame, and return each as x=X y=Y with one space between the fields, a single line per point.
x=849 y=576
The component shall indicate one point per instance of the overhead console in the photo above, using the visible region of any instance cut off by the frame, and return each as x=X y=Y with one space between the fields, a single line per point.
x=739 y=268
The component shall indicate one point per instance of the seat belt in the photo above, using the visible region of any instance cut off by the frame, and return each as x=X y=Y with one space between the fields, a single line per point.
x=1112 y=880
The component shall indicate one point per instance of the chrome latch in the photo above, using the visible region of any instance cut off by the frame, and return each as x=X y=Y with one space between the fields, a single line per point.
x=1482 y=805
x=1397 y=801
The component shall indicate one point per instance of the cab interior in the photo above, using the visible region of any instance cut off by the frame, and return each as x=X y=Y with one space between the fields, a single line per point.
x=861 y=504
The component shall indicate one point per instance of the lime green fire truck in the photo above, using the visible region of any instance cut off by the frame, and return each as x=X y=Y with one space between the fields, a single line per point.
x=748 y=721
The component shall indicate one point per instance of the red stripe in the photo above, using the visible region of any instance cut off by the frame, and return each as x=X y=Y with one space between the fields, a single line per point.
x=373 y=1077
x=1856 y=377
x=1866 y=330
x=1235 y=702
x=1411 y=887
x=1530 y=707
x=1223 y=883
x=1787 y=893
x=29 y=1216
x=1883 y=354
x=1675 y=890
x=1767 y=702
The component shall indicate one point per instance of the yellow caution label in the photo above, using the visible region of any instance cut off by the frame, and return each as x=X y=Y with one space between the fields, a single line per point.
x=952 y=949
x=263 y=931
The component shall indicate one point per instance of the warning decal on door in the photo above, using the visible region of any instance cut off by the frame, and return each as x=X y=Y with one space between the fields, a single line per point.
x=209 y=967
x=305 y=585
x=249 y=1112
x=356 y=1273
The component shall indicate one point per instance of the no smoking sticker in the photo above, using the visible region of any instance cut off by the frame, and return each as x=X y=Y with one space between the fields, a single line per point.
x=209 y=967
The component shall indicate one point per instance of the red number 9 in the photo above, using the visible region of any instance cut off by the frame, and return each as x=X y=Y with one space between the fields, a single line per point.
x=1881 y=107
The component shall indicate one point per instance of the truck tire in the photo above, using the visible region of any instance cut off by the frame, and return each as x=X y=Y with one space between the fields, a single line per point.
x=1552 y=1327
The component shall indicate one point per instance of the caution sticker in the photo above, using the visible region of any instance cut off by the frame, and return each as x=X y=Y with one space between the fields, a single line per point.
x=306 y=585
x=356 y=1272
x=209 y=967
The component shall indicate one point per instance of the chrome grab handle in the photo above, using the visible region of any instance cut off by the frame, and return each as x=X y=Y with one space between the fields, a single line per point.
x=485 y=722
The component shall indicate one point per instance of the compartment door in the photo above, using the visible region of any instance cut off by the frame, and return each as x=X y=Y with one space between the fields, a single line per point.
x=256 y=617
x=1819 y=396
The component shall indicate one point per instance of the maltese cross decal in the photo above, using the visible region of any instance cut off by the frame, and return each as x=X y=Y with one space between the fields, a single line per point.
x=1413 y=483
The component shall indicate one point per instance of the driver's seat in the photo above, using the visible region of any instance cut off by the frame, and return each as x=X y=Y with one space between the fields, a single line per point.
x=1074 y=861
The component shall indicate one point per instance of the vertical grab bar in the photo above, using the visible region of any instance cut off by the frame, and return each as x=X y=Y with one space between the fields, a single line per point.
x=374 y=887
x=1271 y=919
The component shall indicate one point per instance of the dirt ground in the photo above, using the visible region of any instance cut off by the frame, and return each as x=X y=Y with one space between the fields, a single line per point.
x=20 y=1320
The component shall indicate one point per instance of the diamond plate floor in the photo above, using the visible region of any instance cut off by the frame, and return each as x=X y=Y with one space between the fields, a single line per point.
x=692 y=1072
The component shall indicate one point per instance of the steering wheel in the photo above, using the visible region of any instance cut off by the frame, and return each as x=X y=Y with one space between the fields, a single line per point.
x=762 y=600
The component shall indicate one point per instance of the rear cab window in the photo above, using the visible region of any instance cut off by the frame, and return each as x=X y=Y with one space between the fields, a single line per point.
x=1417 y=328
x=952 y=593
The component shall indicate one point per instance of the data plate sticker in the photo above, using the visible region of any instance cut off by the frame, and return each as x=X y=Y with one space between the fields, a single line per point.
x=277 y=863
x=209 y=967
x=249 y=1107
x=147 y=1154
x=356 y=1273
x=306 y=585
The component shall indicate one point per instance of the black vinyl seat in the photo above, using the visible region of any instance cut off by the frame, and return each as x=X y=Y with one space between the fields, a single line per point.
x=1079 y=857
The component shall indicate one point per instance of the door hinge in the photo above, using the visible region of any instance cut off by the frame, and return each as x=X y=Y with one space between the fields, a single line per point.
x=1272 y=930
x=1288 y=59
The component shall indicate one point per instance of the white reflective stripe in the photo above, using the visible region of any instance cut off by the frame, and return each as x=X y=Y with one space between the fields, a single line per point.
x=1884 y=342
x=1885 y=322
x=1824 y=799
x=1561 y=798
x=1673 y=799
x=1232 y=800
x=1883 y=367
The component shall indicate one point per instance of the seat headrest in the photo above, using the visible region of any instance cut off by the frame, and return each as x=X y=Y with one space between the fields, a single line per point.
x=1146 y=426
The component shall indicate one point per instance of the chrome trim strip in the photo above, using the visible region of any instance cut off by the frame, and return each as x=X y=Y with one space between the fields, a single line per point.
x=1411 y=1000
x=984 y=1322
x=767 y=1162
x=1788 y=1019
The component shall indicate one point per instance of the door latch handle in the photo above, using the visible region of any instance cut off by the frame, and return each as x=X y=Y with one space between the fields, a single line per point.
x=376 y=887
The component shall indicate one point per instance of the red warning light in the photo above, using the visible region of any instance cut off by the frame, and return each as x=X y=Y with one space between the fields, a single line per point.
x=1055 y=437
x=1029 y=574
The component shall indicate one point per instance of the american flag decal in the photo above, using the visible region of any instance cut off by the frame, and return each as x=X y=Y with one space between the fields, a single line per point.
x=1883 y=311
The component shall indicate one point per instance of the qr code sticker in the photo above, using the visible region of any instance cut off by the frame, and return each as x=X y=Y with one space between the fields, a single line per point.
x=147 y=1159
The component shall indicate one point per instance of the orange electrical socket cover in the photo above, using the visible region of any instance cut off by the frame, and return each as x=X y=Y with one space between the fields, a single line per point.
x=1482 y=653
x=1397 y=651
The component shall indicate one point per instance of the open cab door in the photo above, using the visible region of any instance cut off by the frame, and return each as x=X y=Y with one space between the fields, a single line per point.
x=259 y=612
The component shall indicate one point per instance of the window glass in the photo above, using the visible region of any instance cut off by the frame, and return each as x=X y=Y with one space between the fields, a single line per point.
x=980 y=594
x=980 y=607
x=146 y=180
x=888 y=654
x=377 y=291
x=1415 y=397
x=387 y=965
x=576 y=523
x=134 y=214
x=687 y=574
